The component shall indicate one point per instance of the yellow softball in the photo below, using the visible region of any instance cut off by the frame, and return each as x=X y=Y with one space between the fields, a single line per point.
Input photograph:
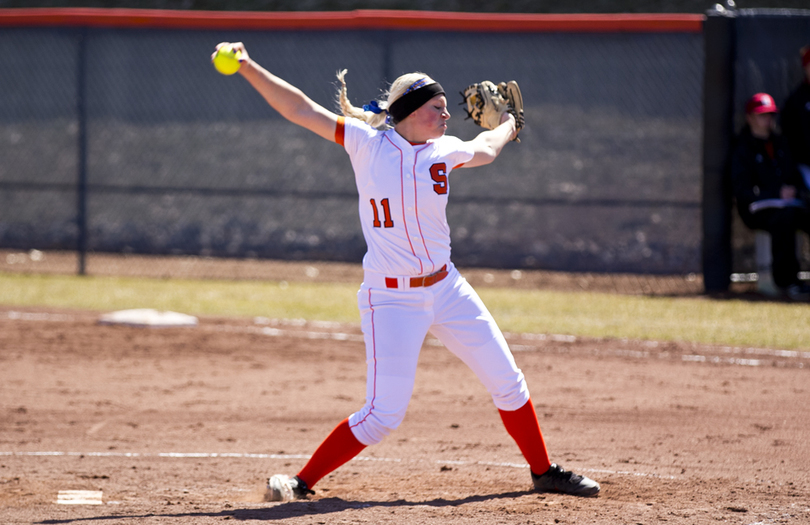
x=226 y=61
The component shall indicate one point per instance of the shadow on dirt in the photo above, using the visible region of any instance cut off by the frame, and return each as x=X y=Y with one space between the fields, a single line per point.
x=293 y=509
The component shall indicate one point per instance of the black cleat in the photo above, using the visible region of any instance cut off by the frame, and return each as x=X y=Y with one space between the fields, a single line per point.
x=556 y=479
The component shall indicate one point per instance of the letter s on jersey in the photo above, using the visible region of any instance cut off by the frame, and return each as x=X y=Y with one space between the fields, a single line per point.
x=438 y=172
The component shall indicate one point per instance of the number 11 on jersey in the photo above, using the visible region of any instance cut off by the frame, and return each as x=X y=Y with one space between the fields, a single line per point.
x=389 y=222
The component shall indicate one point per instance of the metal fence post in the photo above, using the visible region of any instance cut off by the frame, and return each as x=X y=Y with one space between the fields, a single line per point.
x=81 y=114
x=718 y=114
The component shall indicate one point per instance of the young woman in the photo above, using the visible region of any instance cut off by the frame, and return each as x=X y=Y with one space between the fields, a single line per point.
x=402 y=161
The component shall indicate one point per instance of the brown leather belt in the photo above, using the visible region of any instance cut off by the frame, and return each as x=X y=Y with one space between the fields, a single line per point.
x=417 y=282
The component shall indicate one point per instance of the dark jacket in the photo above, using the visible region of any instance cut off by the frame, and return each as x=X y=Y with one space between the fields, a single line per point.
x=795 y=121
x=759 y=169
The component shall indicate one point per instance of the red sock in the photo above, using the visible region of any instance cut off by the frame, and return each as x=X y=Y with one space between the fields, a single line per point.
x=522 y=425
x=338 y=448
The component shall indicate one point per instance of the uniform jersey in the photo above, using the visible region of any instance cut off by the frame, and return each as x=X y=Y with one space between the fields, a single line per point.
x=403 y=191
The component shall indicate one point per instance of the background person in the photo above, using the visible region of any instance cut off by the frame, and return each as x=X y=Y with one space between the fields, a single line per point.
x=795 y=119
x=769 y=191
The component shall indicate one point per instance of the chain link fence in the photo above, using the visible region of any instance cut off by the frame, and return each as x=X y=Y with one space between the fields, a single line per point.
x=175 y=159
x=767 y=60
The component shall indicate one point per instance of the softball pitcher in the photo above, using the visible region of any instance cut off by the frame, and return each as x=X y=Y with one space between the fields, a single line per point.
x=402 y=161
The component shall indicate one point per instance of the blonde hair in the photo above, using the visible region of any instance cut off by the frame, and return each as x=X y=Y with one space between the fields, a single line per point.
x=377 y=120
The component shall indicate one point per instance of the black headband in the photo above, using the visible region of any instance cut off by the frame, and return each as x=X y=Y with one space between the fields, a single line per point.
x=413 y=100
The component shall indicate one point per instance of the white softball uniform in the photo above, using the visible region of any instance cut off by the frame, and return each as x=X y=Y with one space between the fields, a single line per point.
x=410 y=286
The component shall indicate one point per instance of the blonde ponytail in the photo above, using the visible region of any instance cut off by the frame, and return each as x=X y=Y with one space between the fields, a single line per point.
x=375 y=120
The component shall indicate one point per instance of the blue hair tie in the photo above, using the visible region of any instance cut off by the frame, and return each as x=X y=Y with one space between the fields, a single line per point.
x=373 y=107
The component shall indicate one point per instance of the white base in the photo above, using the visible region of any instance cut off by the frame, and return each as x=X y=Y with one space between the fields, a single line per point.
x=79 y=497
x=148 y=317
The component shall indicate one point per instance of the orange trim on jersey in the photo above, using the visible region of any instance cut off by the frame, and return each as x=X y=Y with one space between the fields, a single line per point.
x=340 y=131
x=359 y=19
x=460 y=165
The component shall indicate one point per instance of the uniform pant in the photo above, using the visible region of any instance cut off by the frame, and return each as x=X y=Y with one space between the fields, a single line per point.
x=782 y=224
x=395 y=323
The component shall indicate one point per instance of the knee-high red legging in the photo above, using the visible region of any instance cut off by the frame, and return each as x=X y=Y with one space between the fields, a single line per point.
x=524 y=428
x=341 y=445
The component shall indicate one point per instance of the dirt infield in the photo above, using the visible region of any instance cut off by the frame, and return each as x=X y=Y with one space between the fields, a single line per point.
x=183 y=425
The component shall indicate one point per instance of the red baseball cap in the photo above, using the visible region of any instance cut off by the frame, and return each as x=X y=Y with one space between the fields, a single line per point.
x=761 y=103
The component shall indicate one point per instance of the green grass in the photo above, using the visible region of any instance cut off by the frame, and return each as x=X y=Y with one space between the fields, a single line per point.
x=732 y=322
x=699 y=319
x=333 y=302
